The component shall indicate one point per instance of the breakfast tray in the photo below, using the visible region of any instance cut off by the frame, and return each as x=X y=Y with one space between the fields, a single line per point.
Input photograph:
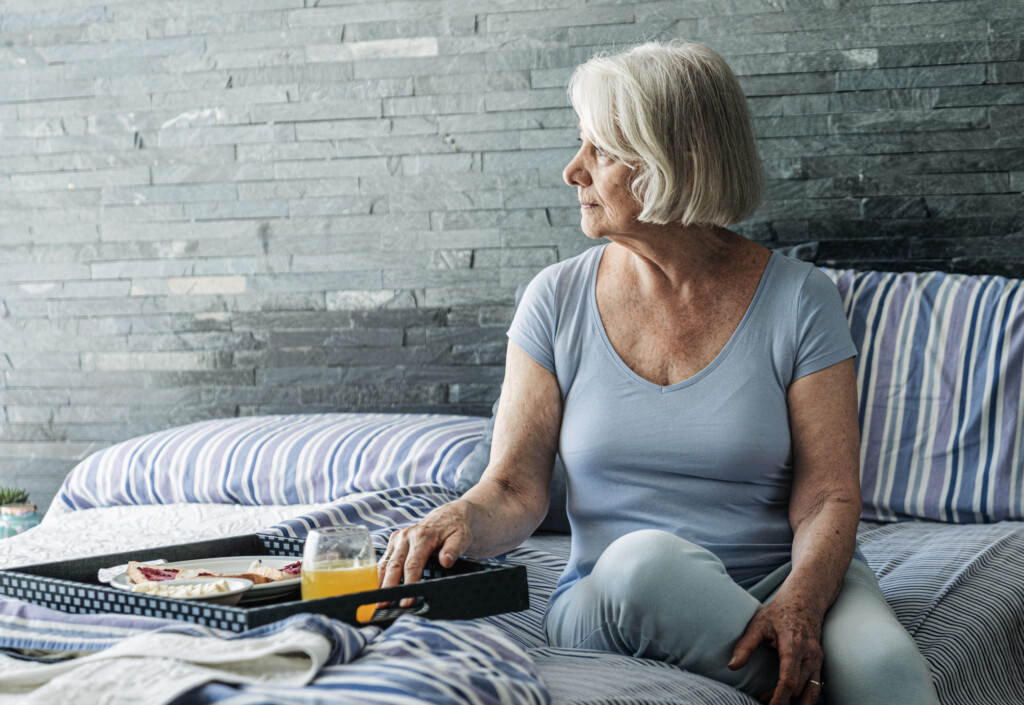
x=467 y=590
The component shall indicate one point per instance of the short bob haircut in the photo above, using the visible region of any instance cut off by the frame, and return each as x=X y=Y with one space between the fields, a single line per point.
x=676 y=114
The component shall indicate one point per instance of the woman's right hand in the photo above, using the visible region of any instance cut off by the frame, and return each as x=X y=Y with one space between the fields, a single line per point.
x=444 y=531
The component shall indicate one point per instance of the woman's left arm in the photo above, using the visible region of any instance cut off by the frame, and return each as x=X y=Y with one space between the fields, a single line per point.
x=824 y=511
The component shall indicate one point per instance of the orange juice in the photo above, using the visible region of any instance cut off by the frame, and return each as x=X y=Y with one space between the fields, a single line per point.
x=340 y=578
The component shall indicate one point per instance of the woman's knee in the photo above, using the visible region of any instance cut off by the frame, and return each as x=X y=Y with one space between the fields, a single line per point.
x=642 y=546
x=651 y=560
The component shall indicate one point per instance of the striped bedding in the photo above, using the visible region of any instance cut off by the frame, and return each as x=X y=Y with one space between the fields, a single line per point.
x=413 y=661
x=265 y=460
x=959 y=590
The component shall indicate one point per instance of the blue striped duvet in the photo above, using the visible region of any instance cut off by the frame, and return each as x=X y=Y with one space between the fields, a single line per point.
x=413 y=661
x=959 y=590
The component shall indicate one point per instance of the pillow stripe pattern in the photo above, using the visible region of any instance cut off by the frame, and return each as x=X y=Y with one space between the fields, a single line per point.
x=940 y=386
x=382 y=512
x=288 y=459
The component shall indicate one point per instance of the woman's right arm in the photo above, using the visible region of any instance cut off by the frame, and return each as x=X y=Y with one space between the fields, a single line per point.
x=511 y=498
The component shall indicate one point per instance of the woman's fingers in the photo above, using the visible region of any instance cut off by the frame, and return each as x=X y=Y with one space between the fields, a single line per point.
x=391 y=566
x=799 y=660
x=748 y=643
x=454 y=546
x=785 y=626
x=811 y=657
x=789 y=673
x=812 y=690
x=409 y=549
x=401 y=562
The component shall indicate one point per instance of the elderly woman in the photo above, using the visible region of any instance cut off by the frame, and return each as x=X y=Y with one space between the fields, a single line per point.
x=701 y=392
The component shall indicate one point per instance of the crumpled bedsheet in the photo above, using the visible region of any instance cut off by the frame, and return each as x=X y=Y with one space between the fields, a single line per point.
x=53 y=658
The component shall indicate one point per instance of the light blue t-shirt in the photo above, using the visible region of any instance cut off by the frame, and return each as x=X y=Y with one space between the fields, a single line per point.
x=708 y=459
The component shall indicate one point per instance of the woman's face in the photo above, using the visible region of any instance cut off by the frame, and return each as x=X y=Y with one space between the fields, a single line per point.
x=607 y=207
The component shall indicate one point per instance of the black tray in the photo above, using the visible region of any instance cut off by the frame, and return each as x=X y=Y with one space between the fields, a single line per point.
x=467 y=590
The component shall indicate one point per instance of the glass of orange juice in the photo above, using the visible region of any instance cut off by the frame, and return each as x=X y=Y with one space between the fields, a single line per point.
x=339 y=560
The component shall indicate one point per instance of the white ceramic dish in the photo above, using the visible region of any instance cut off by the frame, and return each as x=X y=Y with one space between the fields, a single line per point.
x=236 y=588
x=232 y=565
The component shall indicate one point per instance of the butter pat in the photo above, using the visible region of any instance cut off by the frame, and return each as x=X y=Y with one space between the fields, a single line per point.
x=170 y=589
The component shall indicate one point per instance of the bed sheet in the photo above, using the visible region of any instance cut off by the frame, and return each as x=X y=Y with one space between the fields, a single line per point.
x=957 y=589
x=577 y=677
x=445 y=663
x=122 y=528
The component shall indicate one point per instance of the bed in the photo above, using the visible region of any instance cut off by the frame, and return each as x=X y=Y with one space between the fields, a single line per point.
x=957 y=584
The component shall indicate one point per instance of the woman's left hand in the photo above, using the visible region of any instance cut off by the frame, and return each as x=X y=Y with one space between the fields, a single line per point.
x=793 y=628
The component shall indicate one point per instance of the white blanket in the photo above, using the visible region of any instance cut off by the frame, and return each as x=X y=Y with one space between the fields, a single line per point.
x=125 y=528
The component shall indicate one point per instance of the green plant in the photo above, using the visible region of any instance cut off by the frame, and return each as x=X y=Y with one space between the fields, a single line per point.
x=11 y=495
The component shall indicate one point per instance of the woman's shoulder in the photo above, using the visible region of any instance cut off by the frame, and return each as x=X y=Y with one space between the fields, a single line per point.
x=567 y=276
x=797 y=275
x=796 y=287
x=790 y=265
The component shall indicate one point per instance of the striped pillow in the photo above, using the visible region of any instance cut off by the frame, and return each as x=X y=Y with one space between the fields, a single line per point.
x=940 y=386
x=296 y=459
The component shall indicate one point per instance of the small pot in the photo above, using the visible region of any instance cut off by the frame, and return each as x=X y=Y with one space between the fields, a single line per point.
x=16 y=519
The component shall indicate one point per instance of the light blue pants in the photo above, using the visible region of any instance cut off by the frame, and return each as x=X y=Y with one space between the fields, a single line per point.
x=655 y=595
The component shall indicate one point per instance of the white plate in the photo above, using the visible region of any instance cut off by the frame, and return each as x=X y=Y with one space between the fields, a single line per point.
x=236 y=588
x=233 y=565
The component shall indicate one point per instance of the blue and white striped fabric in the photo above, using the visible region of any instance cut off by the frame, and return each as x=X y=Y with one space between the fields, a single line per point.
x=576 y=677
x=414 y=660
x=941 y=383
x=294 y=459
x=959 y=591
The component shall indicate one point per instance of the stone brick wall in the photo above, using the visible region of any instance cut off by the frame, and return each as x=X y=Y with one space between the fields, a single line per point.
x=263 y=206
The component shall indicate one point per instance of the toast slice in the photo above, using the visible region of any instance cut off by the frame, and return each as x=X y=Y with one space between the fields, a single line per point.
x=142 y=573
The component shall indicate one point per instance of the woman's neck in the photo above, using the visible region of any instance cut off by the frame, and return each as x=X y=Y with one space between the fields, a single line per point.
x=676 y=259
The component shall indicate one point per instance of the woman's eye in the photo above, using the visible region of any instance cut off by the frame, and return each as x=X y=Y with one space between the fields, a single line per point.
x=598 y=152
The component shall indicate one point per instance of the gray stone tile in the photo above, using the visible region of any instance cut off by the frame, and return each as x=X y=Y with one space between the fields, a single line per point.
x=191 y=191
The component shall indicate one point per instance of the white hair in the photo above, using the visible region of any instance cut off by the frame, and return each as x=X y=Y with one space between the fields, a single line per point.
x=677 y=115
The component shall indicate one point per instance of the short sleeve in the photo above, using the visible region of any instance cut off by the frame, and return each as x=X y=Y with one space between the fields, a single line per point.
x=533 y=326
x=822 y=331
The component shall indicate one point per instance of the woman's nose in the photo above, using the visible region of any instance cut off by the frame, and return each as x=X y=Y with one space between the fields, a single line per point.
x=575 y=174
